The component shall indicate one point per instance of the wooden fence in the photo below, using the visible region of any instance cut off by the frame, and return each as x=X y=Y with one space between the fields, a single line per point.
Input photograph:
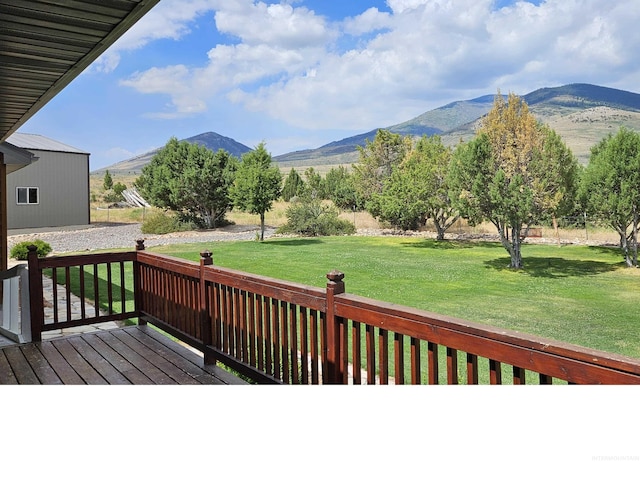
x=274 y=331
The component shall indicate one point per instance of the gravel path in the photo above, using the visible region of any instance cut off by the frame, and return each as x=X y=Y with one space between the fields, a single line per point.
x=107 y=236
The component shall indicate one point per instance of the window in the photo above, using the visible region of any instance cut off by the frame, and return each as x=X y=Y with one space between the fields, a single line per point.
x=27 y=196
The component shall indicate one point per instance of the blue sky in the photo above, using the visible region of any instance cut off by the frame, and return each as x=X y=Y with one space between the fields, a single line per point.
x=299 y=74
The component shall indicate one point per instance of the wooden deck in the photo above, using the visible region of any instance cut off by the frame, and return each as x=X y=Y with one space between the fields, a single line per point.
x=137 y=355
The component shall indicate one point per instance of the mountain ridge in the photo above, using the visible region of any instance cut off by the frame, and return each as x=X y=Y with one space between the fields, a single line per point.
x=582 y=114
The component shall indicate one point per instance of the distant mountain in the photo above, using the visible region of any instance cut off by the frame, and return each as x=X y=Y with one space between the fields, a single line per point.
x=211 y=140
x=581 y=114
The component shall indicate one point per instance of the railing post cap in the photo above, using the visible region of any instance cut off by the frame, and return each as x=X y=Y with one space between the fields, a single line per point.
x=140 y=244
x=32 y=248
x=335 y=276
x=205 y=254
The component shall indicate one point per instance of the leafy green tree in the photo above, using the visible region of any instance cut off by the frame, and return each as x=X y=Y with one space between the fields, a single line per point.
x=257 y=184
x=190 y=180
x=340 y=189
x=293 y=186
x=376 y=162
x=610 y=188
x=418 y=190
x=107 y=183
x=512 y=174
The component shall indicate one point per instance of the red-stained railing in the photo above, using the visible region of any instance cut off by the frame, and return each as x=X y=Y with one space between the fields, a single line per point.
x=274 y=331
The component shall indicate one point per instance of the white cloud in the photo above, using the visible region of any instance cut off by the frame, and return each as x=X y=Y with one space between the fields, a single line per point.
x=168 y=19
x=287 y=63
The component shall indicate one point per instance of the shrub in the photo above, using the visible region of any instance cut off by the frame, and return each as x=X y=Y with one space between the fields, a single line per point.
x=20 y=251
x=310 y=218
x=159 y=223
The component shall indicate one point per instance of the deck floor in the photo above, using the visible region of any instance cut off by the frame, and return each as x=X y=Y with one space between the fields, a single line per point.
x=137 y=355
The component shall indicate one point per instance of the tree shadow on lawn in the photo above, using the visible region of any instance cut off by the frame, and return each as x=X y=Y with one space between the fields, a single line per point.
x=450 y=244
x=556 y=267
x=293 y=242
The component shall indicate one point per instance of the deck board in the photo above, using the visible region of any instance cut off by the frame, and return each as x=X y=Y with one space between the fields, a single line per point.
x=130 y=355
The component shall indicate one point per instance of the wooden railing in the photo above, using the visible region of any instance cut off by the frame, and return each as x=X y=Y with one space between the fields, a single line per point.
x=82 y=272
x=274 y=331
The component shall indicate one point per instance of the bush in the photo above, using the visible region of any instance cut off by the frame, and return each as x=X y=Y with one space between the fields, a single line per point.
x=159 y=223
x=310 y=218
x=20 y=251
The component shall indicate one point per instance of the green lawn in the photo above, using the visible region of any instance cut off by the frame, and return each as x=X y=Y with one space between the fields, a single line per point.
x=578 y=294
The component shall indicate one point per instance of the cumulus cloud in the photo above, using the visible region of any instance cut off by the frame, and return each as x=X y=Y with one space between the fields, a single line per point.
x=290 y=63
x=168 y=19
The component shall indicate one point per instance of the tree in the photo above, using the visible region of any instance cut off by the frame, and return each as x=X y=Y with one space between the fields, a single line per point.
x=417 y=189
x=376 y=162
x=315 y=186
x=610 y=188
x=108 y=181
x=340 y=189
x=190 y=180
x=257 y=184
x=512 y=174
x=293 y=186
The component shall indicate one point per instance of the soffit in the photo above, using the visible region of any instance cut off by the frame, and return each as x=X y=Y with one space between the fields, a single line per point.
x=45 y=44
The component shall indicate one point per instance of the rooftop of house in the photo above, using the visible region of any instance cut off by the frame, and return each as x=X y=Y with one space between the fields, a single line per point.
x=30 y=141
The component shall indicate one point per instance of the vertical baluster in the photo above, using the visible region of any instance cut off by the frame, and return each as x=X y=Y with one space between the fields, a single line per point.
x=293 y=348
x=371 y=354
x=452 y=366
x=416 y=368
x=275 y=338
x=304 y=346
x=518 y=376
x=472 y=369
x=83 y=312
x=260 y=331
x=67 y=291
x=432 y=363
x=266 y=303
x=109 y=287
x=398 y=350
x=123 y=290
x=546 y=379
x=284 y=343
x=251 y=329
x=315 y=373
x=54 y=281
x=495 y=372
x=356 y=340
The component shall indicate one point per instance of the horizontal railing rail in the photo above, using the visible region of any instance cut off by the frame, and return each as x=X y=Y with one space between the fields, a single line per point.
x=274 y=331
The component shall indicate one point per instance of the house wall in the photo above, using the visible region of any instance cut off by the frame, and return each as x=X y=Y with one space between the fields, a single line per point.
x=63 y=182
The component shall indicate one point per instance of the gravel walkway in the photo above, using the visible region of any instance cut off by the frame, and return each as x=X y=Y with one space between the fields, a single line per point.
x=107 y=236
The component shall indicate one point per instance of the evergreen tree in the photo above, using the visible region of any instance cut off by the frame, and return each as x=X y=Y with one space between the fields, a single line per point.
x=257 y=184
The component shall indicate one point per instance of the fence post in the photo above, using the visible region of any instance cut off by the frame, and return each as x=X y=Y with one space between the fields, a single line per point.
x=137 y=283
x=206 y=259
x=36 y=307
x=334 y=353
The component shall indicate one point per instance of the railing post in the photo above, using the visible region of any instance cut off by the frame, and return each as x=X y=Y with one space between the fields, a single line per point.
x=334 y=352
x=137 y=283
x=36 y=303
x=206 y=259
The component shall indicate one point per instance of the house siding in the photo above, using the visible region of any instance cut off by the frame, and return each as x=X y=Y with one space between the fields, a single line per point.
x=63 y=182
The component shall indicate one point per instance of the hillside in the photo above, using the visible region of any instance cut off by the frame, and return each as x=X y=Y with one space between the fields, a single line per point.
x=211 y=140
x=581 y=114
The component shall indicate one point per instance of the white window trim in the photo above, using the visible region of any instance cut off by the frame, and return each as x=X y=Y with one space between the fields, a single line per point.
x=37 y=189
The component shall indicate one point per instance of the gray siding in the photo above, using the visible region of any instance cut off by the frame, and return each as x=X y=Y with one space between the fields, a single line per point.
x=63 y=182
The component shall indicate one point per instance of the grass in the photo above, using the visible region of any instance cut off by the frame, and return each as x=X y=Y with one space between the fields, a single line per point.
x=577 y=294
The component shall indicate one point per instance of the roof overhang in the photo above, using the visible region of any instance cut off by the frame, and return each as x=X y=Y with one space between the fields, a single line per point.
x=15 y=157
x=45 y=44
